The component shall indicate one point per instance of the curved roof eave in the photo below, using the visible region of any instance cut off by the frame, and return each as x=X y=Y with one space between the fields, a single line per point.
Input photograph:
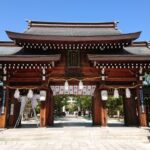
x=4 y=51
x=25 y=37
x=138 y=50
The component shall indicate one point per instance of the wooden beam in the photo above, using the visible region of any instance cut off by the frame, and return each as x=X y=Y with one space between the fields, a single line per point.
x=30 y=58
x=25 y=80
x=121 y=79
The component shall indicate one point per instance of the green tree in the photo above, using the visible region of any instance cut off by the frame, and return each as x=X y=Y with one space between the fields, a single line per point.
x=114 y=105
x=85 y=103
x=60 y=101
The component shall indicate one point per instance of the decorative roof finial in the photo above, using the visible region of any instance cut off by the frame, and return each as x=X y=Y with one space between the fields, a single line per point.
x=148 y=44
x=29 y=23
x=116 y=24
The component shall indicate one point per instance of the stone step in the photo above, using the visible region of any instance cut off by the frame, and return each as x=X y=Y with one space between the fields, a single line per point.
x=99 y=133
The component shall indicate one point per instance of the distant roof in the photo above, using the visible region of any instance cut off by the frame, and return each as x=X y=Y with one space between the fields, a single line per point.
x=139 y=48
x=8 y=48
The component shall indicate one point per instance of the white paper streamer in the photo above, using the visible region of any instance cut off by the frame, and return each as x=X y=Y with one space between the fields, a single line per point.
x=23 y=100
x=17 y=94
x=34 y=100
x=116 y=93
x=30 y=94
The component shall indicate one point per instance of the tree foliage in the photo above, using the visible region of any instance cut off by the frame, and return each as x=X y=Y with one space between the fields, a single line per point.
x=83 y=102
x=60 y=101
x=114 y=105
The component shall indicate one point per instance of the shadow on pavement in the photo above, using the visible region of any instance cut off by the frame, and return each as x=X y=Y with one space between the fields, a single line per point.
x=115 y=125
x=73 y=124
x=28 y=126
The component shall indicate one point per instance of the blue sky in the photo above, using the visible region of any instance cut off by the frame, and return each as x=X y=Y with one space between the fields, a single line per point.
x=133 y=15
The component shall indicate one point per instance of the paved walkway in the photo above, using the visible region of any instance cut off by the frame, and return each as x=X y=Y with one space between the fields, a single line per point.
x=75 y=134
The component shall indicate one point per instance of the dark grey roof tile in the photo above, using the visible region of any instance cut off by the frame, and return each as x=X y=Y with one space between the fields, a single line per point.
x=9 y=50
x=72 y=31
x=138 y=50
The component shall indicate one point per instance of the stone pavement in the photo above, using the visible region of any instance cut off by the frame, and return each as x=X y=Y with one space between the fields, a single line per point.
x=75 y=134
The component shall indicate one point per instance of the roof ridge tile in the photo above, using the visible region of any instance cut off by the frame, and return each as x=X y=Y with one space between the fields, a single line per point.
x=72 y=24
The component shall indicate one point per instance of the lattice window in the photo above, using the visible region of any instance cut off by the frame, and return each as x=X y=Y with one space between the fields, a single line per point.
x=73 y=58
x=73 y=63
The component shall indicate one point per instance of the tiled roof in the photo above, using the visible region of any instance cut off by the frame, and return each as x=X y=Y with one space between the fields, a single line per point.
x=70 y=31
x=9 y=50
x=139 y=48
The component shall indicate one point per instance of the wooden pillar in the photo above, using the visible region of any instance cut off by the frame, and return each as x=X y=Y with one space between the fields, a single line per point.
x=2 y=120
x=130 y=110
x=6 y=113
x=43 y=111
x=4 y=116
x=13 y=114
x=11 y=117
x=99 y=109
x=104 y=114
x=141 y=109
x=46 y=110
x=50 y=109
x=43 y=114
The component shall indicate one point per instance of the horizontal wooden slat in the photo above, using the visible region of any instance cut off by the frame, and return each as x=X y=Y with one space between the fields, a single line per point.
x=26 y=75
x=30 y=58
x=25 y=80
x=121 y=79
